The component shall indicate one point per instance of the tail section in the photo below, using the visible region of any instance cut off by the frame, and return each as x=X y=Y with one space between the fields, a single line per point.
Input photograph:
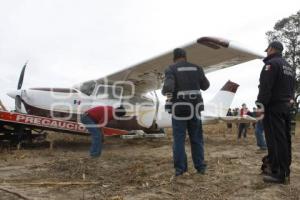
x=219 y=105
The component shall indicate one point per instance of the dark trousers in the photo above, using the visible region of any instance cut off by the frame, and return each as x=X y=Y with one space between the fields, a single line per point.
x=277 y=125
x=242 y=130
x=194 y=128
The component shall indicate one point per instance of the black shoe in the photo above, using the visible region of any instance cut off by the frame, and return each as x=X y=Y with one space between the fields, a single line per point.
x=179 y=173
x=273 y=179
x=266 y=171
x=201 y=171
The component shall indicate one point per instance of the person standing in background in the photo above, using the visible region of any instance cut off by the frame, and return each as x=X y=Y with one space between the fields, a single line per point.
x=276 y=96
x=243 y=126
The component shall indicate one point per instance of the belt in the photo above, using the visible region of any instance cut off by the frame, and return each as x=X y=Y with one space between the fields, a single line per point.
x=189 y=92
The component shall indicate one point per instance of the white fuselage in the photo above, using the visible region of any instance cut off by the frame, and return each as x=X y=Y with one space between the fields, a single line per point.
x=142 y=112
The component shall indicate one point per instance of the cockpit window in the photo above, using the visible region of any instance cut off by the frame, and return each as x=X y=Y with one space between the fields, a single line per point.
x=109 y=92
x=87 y=87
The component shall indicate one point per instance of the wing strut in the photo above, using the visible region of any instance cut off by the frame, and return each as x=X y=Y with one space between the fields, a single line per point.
x=156 y=108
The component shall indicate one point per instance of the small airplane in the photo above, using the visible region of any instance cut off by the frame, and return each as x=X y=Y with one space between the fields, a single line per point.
x=135 y=88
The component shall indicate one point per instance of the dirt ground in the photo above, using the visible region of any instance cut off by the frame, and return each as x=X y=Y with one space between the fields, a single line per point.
x=142 y=169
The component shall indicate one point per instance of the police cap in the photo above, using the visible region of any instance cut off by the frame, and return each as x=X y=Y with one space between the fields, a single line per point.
x=179 y=53
x=275 y=45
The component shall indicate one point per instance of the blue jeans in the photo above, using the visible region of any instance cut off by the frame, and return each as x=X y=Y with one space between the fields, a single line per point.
x=96 y=133
x=194 y=127
x=259 y=134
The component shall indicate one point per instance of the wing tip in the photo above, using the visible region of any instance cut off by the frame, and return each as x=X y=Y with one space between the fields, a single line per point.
x=213 y=42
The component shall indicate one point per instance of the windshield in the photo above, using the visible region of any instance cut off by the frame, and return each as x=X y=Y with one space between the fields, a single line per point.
x=87 y=87
x=109 y=92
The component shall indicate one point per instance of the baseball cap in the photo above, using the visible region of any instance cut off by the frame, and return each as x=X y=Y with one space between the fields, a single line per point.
x=179 y=53
x=276 y=45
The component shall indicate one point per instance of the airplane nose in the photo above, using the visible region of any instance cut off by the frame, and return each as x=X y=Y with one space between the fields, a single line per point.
x=14 y=93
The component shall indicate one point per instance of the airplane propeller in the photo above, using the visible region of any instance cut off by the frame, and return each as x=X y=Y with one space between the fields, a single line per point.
x=18 y=99
x=21 y=78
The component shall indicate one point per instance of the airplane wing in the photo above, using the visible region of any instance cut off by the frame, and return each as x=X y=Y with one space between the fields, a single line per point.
x=238 y=119
x=229 y=119
x=210 y=53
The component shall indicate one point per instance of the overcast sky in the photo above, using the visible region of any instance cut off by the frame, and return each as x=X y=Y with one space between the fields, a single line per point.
x=69 y=41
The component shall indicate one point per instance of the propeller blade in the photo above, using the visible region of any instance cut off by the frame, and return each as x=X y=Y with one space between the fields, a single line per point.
x=18 y=103
x=21 y=77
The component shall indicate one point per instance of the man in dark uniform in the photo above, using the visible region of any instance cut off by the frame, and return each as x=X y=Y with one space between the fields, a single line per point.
x=182 y=84
x=276 y=94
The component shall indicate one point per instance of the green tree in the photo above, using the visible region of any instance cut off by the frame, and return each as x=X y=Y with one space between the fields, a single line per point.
x=287 y=31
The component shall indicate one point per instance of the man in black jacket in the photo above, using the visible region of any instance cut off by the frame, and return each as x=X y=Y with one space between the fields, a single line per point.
x=276 y=94
x=183 y=81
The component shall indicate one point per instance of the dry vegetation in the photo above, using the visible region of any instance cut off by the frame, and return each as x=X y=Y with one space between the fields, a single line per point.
x=141 y=169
